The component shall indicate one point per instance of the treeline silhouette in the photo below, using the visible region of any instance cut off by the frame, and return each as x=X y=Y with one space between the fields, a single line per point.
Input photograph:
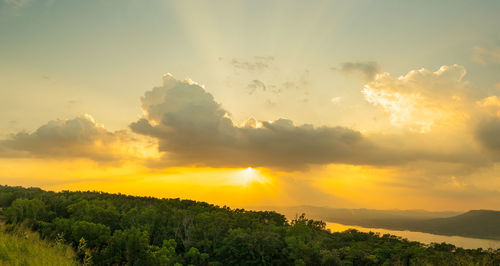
x=116 y=229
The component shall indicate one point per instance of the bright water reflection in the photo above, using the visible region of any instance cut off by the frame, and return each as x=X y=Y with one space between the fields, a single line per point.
x=426 y=238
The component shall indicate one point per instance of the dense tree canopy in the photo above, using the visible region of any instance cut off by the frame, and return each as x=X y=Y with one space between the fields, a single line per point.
x=115 y=229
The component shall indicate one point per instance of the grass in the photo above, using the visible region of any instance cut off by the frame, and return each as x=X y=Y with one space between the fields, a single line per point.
x=23 y=247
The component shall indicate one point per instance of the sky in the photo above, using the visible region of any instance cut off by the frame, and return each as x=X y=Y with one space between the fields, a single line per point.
x=348 y=104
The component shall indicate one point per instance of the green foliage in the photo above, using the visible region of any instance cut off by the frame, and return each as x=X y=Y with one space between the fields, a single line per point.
x=114 y=229
x=83 y=253
x=164 y=255
x=22 y=209
x=97 y=235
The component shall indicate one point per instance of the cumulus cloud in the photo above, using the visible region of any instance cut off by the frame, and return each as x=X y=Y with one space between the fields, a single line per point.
x=368 y=69
x=190 y=128
x=80 y=137
x=423 y=102
x=420 y=98
x=486 y=56
x=193 y=129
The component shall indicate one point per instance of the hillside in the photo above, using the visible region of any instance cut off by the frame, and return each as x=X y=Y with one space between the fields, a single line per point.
x=362 y=217
x=115 y=229
x=26 y=248
x=476 y=223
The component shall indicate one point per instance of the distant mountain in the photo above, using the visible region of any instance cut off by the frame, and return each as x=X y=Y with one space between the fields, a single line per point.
x=476 y=223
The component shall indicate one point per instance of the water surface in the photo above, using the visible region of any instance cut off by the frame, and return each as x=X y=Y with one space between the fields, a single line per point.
x=426 y=238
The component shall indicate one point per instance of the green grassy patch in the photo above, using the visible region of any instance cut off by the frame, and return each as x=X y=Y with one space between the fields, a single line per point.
x=23 y=247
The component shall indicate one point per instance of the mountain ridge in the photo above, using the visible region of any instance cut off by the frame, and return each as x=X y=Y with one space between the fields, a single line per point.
x=481 y=223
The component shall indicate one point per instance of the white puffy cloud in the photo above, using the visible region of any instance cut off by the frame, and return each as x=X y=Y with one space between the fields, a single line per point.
x=422 y=101
x=419 y=99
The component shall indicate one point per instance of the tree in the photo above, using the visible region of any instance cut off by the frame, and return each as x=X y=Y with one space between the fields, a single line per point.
x=96 y=235
x=22 y=209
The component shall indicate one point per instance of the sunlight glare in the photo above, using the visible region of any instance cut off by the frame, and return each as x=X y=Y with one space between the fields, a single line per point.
x=248 y=175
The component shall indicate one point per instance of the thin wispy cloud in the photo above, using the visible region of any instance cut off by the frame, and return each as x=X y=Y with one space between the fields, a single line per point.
x=368 y=69
x=486 y=56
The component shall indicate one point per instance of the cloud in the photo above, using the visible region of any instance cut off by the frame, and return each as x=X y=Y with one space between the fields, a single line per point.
x=256 y=85
x=193 y=129
x=418 y=99
x=490 y=105
x=189 y=128
x=257 y=63
x=487 y=132
x=301 y=82
x=368 y=69
x=486 y=56
x=297 y=83
x=440 y=108
x=80 y=137
x=423 y=100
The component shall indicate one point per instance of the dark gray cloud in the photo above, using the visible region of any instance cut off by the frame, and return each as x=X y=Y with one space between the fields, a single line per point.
x=80 y=137
x=488 y=135
x=193 y=129
x=368 y=69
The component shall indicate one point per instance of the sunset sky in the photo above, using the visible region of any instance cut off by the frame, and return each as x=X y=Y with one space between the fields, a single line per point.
x=350 y=104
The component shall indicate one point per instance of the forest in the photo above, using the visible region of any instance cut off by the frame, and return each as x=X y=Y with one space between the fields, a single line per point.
x=117 y=229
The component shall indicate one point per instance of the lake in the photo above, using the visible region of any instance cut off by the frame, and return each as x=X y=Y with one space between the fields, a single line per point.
x=426 y=238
